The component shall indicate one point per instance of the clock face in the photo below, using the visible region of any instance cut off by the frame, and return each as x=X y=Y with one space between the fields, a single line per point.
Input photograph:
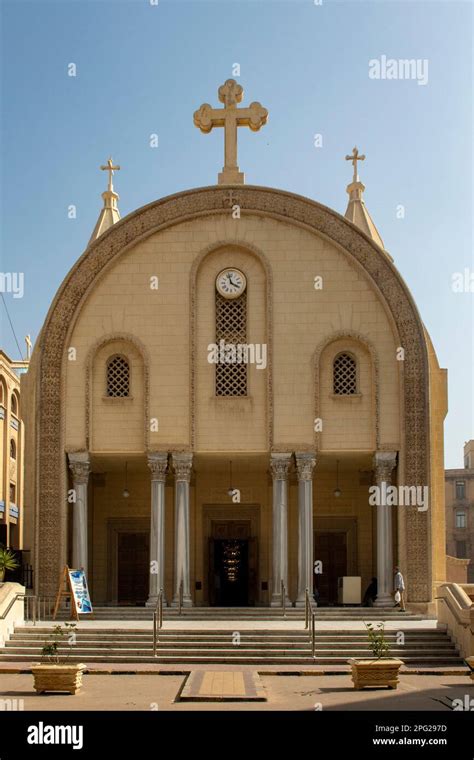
x=231 y=283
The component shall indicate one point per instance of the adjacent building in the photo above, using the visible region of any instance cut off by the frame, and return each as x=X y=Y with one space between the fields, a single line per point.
x=460 y=517
x=11 y=453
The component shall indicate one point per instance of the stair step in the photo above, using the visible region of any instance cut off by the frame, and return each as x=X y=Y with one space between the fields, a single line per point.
x=231 y=653
x=80 y=641
x=348 y=646
x=244 y=660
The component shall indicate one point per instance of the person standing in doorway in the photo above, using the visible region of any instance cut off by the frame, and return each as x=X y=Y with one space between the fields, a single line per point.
x=399 y=586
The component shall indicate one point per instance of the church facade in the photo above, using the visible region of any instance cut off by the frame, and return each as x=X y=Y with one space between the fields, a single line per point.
x=221 y=378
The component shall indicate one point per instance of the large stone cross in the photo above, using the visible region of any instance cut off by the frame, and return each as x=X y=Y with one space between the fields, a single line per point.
x=230 y=117
x=109 y=167
x=356 y=156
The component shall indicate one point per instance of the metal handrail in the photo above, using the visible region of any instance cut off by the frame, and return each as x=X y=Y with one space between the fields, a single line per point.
x=306 y=609
x=40 y=607
x=160 y=608
x=313 y=635
x=155 y=637
x=283 y=598
x=33 y=606
x=11 y=603
x=157 y=619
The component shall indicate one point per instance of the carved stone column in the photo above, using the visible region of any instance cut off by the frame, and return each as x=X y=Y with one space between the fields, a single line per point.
x=280 y=465
x=79 y=465
x=384 y=463
x=305 y=464
x=157 y=462
x=182 y=464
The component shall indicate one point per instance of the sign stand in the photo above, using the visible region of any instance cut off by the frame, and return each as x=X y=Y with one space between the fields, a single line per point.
x=65 y=589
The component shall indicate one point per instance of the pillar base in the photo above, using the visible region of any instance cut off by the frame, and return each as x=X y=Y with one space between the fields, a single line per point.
x=301 y=602
x=153 y=601
x=384 y=600
x=187 y=602
x=276 y=601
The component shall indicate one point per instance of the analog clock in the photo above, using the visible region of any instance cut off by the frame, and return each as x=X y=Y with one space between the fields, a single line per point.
x=231 y=283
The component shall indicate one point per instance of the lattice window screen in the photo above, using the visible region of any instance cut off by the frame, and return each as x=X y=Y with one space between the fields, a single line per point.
x=345 y=375
x=231 y=326
x=118 y=377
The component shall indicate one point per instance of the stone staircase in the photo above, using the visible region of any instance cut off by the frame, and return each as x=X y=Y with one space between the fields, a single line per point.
x=422 y=647
x=248 y=613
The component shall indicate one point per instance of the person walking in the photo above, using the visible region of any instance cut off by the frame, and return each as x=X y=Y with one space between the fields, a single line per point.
x=399 y=586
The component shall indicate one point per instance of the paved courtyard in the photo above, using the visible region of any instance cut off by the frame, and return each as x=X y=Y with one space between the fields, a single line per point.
x=283 y=692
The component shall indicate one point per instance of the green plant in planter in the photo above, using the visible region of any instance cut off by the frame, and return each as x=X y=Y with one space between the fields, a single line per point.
x=8 y=561
x=377 y=641
x=50 y=650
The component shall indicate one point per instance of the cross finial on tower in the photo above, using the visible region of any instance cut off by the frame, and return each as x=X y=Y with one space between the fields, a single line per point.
x=230 y=117
x=356 y=211
x=354 y=158
x=109 y=167
x=28 y=347
x=109 y=213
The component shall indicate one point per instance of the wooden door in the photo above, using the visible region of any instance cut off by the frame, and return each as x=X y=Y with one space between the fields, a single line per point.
x=133 y=557
x=330 y=549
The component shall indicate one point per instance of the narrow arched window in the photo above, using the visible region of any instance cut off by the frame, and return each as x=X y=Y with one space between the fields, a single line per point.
x=344 y=375
x=12 y=449
x=118 y=377
x=14 y=402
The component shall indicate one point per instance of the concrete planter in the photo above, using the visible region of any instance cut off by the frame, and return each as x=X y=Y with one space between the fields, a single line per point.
x=58 y=677
x=379 y=672
x=470 y=663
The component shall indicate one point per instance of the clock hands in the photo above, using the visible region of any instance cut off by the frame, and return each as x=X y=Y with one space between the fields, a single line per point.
x=235 y=284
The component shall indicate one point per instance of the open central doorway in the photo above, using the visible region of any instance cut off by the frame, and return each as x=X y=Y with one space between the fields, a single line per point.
x=331 y=550
x=232 y=564
x=231 y=572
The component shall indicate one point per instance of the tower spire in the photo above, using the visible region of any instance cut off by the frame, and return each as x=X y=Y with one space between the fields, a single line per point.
x=356 y=211
x=109 y=213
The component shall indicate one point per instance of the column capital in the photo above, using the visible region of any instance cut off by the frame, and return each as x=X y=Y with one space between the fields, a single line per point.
x=280 y=465
x=158 y=463
x=305 y=463
x=384 y=463
x=79 y=464
x=182 y=465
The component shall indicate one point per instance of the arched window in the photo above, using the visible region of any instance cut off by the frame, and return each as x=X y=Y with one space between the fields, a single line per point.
x=460 y=519
x=2 y=392
x=12 y=449
x=231 y=329
x=14 y=403
x=118 y=377
x=344 y=375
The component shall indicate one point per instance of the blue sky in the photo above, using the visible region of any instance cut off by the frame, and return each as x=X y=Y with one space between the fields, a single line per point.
x=144 y=69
